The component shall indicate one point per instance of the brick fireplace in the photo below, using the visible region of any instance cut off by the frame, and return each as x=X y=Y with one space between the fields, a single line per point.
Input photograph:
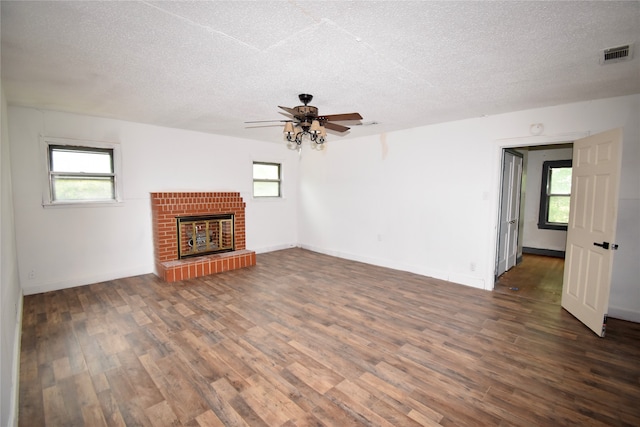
x=167 y=208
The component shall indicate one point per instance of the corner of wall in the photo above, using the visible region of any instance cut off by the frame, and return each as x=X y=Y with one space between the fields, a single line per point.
x=10 y=289
x=624 y=314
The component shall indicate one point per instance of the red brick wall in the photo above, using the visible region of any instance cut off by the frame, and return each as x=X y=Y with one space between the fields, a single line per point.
x=165 y=207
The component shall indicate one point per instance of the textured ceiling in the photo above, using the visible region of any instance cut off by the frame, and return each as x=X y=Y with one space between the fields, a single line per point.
x=210 y=66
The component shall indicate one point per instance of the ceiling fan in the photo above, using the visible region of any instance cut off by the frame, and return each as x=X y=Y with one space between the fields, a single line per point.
x=306 y=121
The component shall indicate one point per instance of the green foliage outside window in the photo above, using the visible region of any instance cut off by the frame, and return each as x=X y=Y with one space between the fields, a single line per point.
x=559 y=195
x=72 y=188
x=558 y=209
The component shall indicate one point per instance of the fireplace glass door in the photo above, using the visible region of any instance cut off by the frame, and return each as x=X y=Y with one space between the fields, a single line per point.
x=205 y=235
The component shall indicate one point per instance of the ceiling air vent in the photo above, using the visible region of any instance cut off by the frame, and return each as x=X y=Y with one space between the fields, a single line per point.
x=616 y=54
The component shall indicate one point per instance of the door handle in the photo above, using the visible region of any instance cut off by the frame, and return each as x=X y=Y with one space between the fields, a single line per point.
x=604 y=245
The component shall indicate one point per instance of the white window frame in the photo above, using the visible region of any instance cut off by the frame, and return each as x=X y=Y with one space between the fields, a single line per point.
x=279 y=180
x=47 y=192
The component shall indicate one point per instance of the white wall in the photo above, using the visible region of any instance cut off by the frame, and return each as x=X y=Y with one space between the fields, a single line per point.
x=10 y=292
x=532 y=236
x=426 y=200
x=60 y=247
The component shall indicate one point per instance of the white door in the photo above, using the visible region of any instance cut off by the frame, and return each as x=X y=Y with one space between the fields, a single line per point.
x=591 y=231
x=509 y=212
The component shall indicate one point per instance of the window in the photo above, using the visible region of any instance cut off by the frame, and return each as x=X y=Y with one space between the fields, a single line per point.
x=555 y=195
x=266 y=179
x=80 y=172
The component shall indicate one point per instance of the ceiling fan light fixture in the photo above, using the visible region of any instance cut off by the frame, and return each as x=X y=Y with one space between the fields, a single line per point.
x=293 y=135
x=320 y=138
x=288 y=128
x=315 y=127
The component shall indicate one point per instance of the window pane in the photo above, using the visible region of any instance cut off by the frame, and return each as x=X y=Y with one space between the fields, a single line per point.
x=560 y=181
x=266 y=171
x=81 y=161
x=266 y=189
x=90 y=188
x=559 y=209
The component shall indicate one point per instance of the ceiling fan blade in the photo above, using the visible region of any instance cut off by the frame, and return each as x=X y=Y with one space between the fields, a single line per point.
x=288 y=110
x=336 y=127
x=340 y=117
x=267 y=121
x=263 y=126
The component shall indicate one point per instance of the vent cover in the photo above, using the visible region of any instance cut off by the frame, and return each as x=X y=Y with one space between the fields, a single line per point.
x=617 y=54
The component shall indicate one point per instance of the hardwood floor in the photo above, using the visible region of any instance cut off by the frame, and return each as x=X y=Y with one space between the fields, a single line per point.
x=538 y=277
x=304 y=339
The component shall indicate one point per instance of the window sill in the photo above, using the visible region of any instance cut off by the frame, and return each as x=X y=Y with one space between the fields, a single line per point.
x=87 y=204
x=552 y=227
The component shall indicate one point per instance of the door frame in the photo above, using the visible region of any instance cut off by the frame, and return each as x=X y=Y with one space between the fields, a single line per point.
x=499 y=249
x=499 y=146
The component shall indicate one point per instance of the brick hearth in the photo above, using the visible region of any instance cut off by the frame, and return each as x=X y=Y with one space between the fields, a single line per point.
x=166 y=207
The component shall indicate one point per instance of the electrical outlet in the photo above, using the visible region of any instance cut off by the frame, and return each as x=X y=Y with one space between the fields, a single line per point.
x=472 y=266
x=32 y=274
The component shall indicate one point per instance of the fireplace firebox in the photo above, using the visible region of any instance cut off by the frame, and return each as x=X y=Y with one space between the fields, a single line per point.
x=205 y=235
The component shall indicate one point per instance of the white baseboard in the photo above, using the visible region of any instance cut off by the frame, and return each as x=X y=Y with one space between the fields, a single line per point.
x=38 y=288
x=624 y=314
x=473 y=282
x=273 y=248
x=88 y=280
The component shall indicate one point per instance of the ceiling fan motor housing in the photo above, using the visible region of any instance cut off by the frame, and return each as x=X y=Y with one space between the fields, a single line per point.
x=305 y=114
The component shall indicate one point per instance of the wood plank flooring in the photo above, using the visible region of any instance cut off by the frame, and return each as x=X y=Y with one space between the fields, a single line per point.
x=538 y=277
x=304 y=339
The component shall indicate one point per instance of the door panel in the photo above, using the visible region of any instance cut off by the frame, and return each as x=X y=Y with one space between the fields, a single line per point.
x=514 y=211
x=593 y=217
x=509 y=212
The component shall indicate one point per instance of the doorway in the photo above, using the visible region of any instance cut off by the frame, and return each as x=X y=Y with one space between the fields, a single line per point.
x=539 y=267
x=590 y=218
x=536 y=277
